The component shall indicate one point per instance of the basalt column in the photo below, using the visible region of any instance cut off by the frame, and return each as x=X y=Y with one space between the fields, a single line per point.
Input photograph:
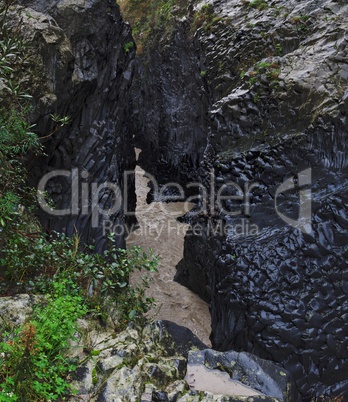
x=85 y=72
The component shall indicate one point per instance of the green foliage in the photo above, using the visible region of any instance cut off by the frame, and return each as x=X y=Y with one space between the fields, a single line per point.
x=8 y=207
x=16 y=136
x=279 y=49
x=32 y=262
x=150 y=18
x=74 y=282
x=16 y=133
x=61 y=120
x=33 y=361
x=128 y=46
x=204 y=16
x=270 y=69
x=258 y=4
x=277 y=10
x=301 y=22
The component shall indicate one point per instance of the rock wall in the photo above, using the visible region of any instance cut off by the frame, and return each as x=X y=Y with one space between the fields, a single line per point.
x=169 y=105
x=278 y=77
x=85 y=72
x=244 y=92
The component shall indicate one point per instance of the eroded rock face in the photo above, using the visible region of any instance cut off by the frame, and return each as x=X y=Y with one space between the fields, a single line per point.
x=85 y=73
x=169 y=105
x=276 y=74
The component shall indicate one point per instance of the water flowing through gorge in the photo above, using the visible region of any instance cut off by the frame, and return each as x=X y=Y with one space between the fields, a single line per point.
x=159 y=230
x=253 y=93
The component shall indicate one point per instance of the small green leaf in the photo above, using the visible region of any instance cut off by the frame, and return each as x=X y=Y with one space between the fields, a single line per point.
x=132 y=314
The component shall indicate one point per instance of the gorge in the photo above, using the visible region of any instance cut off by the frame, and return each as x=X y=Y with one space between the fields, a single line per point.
x=251 y=92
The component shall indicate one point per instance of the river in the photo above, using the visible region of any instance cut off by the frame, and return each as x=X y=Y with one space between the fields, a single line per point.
x=160 y=230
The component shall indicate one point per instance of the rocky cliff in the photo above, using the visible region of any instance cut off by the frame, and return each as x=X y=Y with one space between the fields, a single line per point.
x=274 y=75
x=247 y=94
x=169 y=105
x=85 y=71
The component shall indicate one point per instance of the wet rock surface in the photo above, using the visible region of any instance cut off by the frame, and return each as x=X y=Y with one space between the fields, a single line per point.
x=256 y=95
x=169 y=104
x=85 y=74
x=278 y=292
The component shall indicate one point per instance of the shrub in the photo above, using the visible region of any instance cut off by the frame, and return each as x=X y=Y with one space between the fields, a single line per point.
x=34 y=365
x=33 y=360
x=16 y=133
x=128 y=46
x=151 y=19
x=32 y=262
x=271 y=69
x=258 y=4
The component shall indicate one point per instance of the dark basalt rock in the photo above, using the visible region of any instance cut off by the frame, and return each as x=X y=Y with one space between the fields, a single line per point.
x=182 y=339
x=85 y=73
x=276 y=80
x=169 y=104
x=271 y=104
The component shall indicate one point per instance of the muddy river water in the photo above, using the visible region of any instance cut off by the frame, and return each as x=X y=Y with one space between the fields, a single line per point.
x=160 y=230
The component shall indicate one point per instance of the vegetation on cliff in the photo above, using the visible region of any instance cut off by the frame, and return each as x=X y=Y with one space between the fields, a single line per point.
x=149 y=18
x=75 y=281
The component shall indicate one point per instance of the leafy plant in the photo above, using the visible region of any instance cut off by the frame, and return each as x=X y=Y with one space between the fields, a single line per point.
x=16 y=133
x=270 y=69
x=150 y=18
x=128 y=46
x=279 y=49
x=258 y=4
x=34 y=361
x=301 y=22
x=32 y=262
x=34 y=364
x=277 y=10
x=16 y=136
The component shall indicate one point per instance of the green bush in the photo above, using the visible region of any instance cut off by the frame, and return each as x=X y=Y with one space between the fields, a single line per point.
x=258 y=4
x=271 y=70
x=150 y=18
x=31 y=262
x=128 y=46
x=33 y=357
x=16 y=134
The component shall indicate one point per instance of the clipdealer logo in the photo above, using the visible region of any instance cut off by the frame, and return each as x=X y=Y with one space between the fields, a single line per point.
x=229 y=199
x=302 y=183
